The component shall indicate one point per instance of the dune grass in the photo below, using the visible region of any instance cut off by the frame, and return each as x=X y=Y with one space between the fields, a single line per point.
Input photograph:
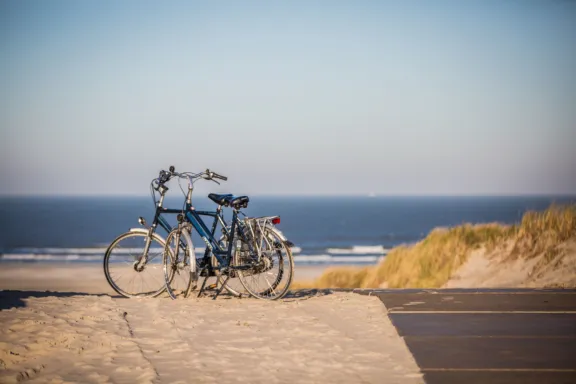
x=431 y=262
x=336 y=277
x=544 y=231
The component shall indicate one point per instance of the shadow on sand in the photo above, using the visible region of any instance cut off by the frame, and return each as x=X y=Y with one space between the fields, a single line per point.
x=304 y=294
x=15 y=299
x=292 y=295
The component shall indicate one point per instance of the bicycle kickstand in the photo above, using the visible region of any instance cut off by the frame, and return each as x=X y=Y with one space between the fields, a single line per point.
x=222 y=287
x=203 y=283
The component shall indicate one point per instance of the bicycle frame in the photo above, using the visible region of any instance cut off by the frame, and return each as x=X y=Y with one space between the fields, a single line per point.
x=193 y=216
x=160 y=220
x=212 y=244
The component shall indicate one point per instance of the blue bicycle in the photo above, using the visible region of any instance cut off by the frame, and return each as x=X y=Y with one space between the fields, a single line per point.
x=251 y=253
x=253 y=250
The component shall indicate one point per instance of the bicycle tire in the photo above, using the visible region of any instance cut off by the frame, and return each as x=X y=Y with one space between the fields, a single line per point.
x=109 y=253
x=264 y=294
x=173 y=267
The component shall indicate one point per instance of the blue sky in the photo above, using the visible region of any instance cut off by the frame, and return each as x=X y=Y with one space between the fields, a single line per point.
x=299 y=97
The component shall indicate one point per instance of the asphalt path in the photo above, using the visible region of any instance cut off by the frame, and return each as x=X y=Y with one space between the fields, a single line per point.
x=487 y=336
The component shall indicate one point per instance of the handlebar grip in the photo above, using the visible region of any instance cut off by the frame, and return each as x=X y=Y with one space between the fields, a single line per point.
x=219 y=176
x=214 y=175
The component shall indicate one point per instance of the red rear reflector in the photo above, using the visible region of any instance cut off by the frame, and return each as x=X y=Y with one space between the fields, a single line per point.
x=276 y=220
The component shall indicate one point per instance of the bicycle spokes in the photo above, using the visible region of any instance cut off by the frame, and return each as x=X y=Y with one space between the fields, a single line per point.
x=132 y=265
x=268 y=273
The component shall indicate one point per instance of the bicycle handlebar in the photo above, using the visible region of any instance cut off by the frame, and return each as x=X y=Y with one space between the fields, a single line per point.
x=165 y=176
x=214 y=175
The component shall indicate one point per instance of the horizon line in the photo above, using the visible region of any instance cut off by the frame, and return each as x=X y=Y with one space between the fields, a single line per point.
x=366 y=195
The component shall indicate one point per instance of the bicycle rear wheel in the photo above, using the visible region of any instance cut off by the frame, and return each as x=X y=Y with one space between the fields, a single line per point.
x=271 y=276
x=122 y=269
x=179 y=272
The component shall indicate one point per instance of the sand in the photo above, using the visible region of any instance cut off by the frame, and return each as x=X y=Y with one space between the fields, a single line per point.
x=94 y=337
x=497 y=269
x=482 y=271
x=83 y=278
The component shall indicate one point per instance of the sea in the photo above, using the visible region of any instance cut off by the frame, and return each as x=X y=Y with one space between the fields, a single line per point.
x=325 y=230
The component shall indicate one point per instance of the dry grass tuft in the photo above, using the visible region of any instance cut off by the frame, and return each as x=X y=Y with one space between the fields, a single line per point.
x=336 y=277
x=431 y=262
x=542 y=231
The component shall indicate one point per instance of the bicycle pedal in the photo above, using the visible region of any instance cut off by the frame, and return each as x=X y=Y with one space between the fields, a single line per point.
x=212 y=286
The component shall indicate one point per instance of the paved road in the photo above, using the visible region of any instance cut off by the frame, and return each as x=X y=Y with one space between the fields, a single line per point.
x=487 y=336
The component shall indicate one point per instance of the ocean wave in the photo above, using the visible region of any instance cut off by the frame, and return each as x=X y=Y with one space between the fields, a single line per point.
x=355 y=250
x=359 y=250
x=312 y=258
x=82 y=251
x=356 y=254
x=78 y=251
x=61 y=251
x=329 y=259
x=46 y=257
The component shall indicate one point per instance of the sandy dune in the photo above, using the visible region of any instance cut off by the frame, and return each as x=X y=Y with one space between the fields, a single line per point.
x=497 y=269
x=310 y=337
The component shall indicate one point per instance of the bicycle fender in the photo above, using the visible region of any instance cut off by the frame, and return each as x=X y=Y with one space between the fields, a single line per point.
x=141 y=230
x=281 y=236
x=144 y=230
x=192 y=256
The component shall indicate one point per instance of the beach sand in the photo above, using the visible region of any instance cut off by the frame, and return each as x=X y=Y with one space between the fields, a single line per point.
x=83 y=278
x=81 y=332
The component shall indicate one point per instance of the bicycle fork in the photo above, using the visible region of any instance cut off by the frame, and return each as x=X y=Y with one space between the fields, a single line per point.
x=139 y=265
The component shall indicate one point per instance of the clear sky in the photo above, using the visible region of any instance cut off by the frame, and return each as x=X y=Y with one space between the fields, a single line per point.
x=293 y=97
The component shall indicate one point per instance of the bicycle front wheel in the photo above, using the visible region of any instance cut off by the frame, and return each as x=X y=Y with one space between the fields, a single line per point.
x=178 y=269
x=270 y=276
x=130 y=270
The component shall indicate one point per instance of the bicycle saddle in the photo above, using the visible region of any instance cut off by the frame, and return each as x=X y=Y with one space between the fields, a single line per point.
x=220 y=199
x=239 y=202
